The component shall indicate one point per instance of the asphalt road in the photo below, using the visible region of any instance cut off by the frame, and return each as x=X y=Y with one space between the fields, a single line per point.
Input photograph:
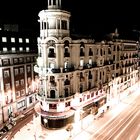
x=125 y=126
x=21 y=122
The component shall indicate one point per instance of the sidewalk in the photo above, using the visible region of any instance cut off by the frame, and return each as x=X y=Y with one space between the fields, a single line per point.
x=20 y=121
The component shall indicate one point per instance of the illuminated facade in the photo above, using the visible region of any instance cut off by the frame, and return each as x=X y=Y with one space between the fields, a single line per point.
x=78 y=77
x=18 y=53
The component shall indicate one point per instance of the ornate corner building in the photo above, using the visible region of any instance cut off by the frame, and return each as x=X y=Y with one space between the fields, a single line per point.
x=79 y=77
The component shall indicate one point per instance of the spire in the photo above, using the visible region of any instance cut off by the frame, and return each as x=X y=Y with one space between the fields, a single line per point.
x=116 y=32
x=54 y=4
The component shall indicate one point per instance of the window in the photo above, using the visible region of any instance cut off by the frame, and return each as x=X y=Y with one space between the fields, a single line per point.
x=28 y=69
x=64 y=24
x=16 y=83
x=20 y=40
x=13 y=49
x=81 y=62
x=28 y=59
x=21 y=70
x=5 y=49
x=5 y=62
x=20 y=48
x=21 y=60
x=12 y=39
x=22 y=82
x=15 y=60
x=16 y=71
x=90 y=61
x=58 y=23
x=51 y=65
x=4 y=39
x=50 y=2
x=54 y=2
x=51 y=52
x=21 y=104
x=6 y=73
x=7 y=86
x=27 y=40
x=52 y=23
x=30 y=100
x=27 y=49
x=22 y=92
x=66 y=64
x=17 y=94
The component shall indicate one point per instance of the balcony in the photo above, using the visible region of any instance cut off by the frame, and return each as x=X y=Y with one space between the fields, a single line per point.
x=56 y=70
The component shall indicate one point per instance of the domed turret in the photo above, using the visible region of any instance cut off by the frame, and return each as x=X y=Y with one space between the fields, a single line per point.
x=54 y=21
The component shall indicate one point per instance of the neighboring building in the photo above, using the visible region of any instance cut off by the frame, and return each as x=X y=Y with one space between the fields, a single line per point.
x=79 y=76
x=18 y=53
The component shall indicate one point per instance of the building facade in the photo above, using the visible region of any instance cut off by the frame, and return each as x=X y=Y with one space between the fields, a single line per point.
x=79 y=76
x=18 y=81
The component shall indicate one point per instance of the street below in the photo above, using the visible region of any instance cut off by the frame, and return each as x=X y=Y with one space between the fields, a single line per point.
x=120 y=122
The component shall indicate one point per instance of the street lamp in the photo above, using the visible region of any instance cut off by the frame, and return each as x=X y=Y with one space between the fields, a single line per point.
x=45 y=121
x=69 y=129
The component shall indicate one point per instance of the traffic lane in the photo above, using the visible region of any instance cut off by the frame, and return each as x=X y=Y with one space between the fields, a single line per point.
x=112 y=123
x=133 y=130
x=20 y=123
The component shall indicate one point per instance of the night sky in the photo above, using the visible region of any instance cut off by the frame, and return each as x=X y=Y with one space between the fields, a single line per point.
x=88 y=17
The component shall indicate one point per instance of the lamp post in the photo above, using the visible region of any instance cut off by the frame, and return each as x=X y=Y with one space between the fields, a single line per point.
x=35 y=127
x=69 y=129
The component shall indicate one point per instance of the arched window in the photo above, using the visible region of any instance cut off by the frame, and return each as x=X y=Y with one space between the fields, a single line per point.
x=66 y=43
x=52 y=94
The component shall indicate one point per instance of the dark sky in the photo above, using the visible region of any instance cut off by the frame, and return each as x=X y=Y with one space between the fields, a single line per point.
x=88 y=17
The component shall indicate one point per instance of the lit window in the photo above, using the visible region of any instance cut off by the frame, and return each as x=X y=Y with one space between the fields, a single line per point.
x=51 y=65
x=13 y=49
x=81 y=62
x=4 y=39
x=27 y=40
x=12 y=39
x=90 y=61
x=21 y=104
x=27 y=49
x=66 y=64
x=5 y=49
x=20 y=40
x=20 y=49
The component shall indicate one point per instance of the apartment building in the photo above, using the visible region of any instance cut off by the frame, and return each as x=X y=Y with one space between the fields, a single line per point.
x=18 y=81
x=79 y=76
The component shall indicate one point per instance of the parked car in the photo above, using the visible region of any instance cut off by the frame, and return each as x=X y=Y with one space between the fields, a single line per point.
x=1 y=133
x=9 y=126
x=4 y=130
x=13 y=123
